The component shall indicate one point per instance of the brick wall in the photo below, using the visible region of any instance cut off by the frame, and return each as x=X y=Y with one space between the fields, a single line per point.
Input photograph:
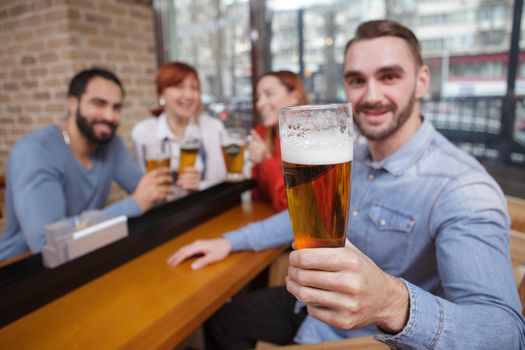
x=45 y=42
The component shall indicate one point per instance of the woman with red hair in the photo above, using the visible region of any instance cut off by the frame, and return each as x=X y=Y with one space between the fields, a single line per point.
x=178 y=117
x=274 y=90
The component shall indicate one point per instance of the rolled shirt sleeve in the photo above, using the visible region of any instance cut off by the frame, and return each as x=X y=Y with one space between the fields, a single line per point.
x=273 y=232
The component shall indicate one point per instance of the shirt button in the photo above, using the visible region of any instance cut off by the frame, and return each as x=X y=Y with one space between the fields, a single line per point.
x=370 y=176
x=355 y=213
x=382 y=223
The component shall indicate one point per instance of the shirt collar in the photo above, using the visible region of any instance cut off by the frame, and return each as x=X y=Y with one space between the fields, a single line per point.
x=398 y=162
x=163 y=130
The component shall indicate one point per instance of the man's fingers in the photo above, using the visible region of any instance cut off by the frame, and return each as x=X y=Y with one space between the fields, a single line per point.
x=202 y=261
x=319 y=297
x=178 y=257
x=306 y=294
x=159 y=172
x=165 y=191
x=175 y=259
x=184 y=253
x=342 y=282
x=342 y=320
x=325 y=259
x=330 y=316
x=159 y=193
x=164 y=179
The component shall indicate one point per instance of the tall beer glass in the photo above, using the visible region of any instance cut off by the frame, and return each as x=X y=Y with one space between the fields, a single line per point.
x=317 y=149
x=189 y=149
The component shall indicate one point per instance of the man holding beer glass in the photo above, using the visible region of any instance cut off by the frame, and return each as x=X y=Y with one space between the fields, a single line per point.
x=427 y=263
x=62 y=170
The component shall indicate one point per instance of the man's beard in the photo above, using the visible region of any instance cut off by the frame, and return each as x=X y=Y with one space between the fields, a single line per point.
x=87 y=129
x=398 y=120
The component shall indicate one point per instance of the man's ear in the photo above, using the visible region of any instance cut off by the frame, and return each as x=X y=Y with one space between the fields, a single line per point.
x=72 y=105
x=422 y=81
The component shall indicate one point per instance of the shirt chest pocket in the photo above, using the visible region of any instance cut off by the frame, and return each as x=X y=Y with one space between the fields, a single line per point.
x=389 y=236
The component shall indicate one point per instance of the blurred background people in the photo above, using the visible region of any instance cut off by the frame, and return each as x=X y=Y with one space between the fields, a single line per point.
x=274 y=90
x=63 y=170
x=179 y=119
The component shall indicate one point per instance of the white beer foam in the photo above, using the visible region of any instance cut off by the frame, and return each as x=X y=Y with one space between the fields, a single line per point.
x=318 y=151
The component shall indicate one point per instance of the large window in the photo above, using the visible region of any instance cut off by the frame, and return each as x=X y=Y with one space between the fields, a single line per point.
x=465 y=43
x=213 y=36
x=308 y=37
x=319 y=30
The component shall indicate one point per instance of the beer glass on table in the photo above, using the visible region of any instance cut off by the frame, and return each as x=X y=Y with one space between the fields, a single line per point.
x=316 y=149
x=233 y=142
x=157 y=154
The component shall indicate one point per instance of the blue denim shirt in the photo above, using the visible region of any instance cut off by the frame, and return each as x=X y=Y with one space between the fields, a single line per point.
x=431 y=215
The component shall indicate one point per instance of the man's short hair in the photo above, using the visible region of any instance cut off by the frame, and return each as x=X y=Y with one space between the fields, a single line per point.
x=78 y=85
x=379 y=28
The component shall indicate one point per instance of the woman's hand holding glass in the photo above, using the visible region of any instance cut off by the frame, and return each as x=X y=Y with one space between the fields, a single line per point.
x=189 y=179
x=257 y=149
x=212 y=250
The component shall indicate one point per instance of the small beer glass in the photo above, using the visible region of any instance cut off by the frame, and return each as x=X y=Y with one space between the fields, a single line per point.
x=317 y=151
x=233 y=142
x=157 y=154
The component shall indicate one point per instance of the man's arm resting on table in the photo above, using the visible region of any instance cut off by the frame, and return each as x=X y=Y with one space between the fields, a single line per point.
x=272 y=232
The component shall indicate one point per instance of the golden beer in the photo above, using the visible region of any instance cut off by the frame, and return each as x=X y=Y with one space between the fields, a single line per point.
x=157 y=155
x=234 y=159
x=233 y=141
x=152 y=164
x=317 y=152
x=187 y=158
x=318 y=200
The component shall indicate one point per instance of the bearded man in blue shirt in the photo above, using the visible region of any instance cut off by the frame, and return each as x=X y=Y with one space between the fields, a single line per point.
x=60 y=171
x=428 y=265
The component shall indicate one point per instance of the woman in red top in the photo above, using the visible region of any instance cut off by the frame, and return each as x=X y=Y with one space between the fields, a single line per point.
x=274 y=90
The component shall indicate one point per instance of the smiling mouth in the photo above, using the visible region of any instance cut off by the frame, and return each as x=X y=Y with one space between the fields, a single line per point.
x=104 y=128
x=186 y=105
x=106 y=124
x=375 y=111
x=267 y=112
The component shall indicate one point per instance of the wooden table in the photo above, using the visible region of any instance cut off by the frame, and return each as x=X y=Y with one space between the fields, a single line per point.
x=145 y=303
